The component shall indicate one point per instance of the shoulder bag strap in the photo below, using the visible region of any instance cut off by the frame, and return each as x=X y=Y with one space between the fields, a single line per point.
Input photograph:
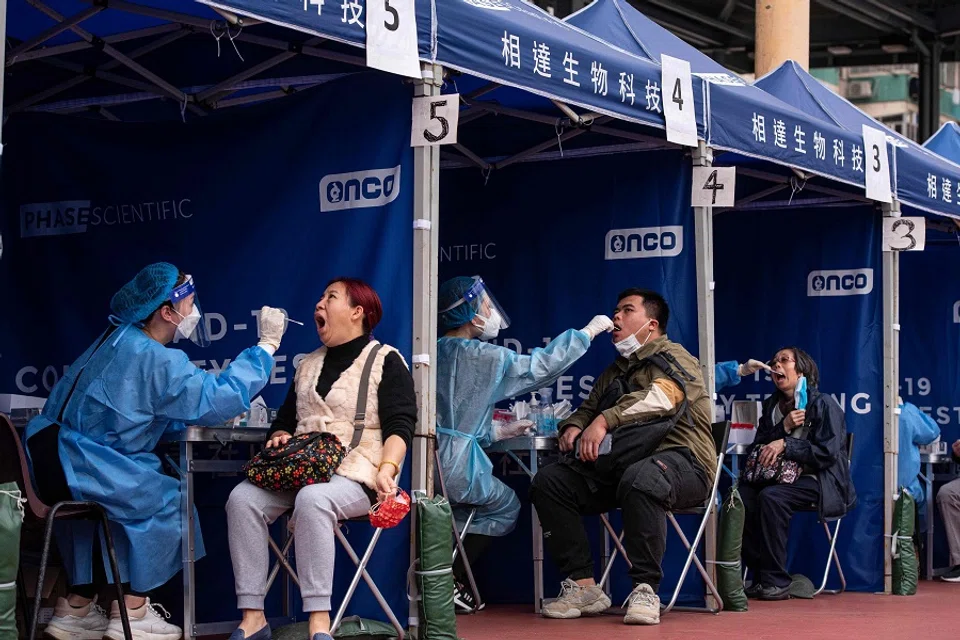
x=73 y=388
x=359 y=419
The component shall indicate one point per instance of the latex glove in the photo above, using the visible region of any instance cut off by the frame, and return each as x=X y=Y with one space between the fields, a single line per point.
x=273 y=323
x=750 y=367
x=511 y=430
x=598 y=325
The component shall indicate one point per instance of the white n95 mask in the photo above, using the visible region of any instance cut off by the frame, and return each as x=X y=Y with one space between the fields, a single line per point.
x=188 y=325
x=491 y=325
x=630 y=344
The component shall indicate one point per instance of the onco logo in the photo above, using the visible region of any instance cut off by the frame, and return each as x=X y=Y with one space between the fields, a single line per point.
x=842 y=282
x=643 y=242
x=359 y=189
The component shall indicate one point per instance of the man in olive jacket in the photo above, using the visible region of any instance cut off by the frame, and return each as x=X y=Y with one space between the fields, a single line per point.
x=678 y=475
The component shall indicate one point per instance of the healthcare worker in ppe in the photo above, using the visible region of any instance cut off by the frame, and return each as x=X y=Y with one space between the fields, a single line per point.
x=916 y=429
x=472 y=376
x=95 y=437
x=728 y=374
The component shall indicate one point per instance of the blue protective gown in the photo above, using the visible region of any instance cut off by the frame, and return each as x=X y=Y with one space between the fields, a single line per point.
x=726 y=374
x=916 y=428
x=472 y=376
x=131 y=392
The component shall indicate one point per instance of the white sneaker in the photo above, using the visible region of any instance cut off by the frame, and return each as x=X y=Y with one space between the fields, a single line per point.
x=574 y=601
x=146 y=623
x=77 y=623
x=643 y=606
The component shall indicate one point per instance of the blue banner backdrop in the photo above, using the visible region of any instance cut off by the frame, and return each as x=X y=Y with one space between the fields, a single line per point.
x=262 y=206
x=812 y=279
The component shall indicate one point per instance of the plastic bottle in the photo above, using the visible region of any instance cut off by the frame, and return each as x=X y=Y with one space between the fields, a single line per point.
x=534 y=413
x=548 y=421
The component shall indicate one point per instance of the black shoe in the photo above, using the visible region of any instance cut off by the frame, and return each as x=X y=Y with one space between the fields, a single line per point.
x=753 y=591
x=463 y=598
x=775 y=593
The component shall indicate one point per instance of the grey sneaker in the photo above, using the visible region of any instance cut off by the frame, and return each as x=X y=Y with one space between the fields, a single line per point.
x=575 y=601
x=643 y=606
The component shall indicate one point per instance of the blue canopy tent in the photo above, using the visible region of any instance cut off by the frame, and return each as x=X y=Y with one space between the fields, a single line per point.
x=921 y=181
x=780 y=127
x=488 y=45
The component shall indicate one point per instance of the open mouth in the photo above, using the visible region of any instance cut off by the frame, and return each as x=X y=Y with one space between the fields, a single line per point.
x=617 y=328
x=321 y=322
x=777 y=375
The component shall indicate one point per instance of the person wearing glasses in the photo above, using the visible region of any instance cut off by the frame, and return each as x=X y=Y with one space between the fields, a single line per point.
x=816 y=438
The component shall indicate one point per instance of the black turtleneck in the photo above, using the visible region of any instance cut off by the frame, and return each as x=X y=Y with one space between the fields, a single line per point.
x=397 y=402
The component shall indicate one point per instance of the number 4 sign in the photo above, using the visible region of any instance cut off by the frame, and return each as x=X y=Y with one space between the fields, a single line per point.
x=392 y=37
x=904 y=234
x=678 y=101
x=713 y=186
x=435 y=120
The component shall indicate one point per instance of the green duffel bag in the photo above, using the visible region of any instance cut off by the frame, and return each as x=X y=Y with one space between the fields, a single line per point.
x=906 y=564
x=352 y=627
x=11 y=521
x=729 y=546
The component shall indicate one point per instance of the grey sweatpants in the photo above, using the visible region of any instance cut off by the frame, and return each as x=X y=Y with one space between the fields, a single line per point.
x=316 y=510
x=948 y=499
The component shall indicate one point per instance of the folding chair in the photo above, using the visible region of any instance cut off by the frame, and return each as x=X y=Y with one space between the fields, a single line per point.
x=13 y=463
x=721 y=433
x=459 y=536
x=832 y=537
x=361 y=572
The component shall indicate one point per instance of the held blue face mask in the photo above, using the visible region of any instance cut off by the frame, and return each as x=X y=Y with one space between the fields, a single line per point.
x=800 y=395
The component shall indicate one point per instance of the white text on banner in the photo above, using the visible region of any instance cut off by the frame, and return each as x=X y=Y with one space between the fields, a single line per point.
x=392 y=37
x=678 y=107
x=904 y=234
x=713 y=187
x=435 y=120
x=878 y=164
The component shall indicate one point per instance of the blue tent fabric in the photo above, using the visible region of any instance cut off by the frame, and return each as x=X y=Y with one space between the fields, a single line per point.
x=740 y=117
x=946 y=142
x=920 y=177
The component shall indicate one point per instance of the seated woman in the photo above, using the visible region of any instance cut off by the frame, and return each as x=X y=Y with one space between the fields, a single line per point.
x=323 y=397
x=816 y=438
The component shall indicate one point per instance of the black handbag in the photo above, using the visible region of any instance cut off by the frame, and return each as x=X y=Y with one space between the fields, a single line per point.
x=309 y=458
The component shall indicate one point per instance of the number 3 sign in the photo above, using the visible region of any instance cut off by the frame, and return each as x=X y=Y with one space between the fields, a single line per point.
x=435 y=120
x=904 y=234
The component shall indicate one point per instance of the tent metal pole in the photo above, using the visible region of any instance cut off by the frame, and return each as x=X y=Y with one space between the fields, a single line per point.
x=426 y=240
x=115 y=54
x=223 y=89
x=3 y=66
x=703 y=217
x=53 y=31
x=891 y=385
x=64 y=49
x=80 y=79
x=474 y=158
x=543 y=146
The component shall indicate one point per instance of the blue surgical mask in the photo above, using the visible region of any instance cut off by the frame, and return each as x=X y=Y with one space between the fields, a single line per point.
x=800 y=395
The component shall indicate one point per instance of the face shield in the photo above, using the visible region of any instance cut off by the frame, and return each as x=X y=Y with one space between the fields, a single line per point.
x=186 y=304
x=484 y=305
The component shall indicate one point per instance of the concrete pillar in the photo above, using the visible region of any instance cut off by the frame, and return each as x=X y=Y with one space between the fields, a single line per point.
x=783 y=33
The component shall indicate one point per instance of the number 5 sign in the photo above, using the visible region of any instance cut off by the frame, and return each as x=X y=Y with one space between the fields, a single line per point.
x=392 y=37
x=435 y=120
x=904 y=234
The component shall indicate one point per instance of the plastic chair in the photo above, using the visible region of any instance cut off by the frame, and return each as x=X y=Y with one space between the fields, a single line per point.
x=13 y=462
x=721 y=433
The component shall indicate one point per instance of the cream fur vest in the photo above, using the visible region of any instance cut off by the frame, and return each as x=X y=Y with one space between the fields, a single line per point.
x=335 y=413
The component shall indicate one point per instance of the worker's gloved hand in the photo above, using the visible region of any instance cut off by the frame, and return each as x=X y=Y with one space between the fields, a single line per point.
x=272 y=323
x=750 y=367
x=598 y=325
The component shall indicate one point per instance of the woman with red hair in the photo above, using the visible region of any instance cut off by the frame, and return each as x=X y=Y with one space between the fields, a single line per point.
x=324 y=397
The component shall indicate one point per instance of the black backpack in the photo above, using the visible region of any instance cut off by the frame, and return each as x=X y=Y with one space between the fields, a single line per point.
x=634 y=441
